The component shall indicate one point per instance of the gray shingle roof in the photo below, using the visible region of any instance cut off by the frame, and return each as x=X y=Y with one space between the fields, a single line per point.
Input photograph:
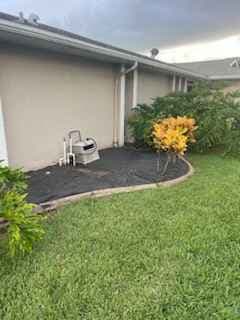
x=72 y=35
x=154 y=63
x=213 y=68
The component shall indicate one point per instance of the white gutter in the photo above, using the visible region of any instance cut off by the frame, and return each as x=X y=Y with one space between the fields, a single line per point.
x=3 y=141
x=25 y=30
x=225 y=77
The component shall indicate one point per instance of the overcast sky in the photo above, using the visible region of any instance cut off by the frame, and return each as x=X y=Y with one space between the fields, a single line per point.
x=183 y=30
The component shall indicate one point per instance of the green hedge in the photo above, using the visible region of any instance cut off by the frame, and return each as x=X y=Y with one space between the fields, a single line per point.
x=217 y=116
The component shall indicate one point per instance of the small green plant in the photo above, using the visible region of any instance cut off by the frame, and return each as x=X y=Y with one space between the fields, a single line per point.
x=12 y=180
x=24 y=227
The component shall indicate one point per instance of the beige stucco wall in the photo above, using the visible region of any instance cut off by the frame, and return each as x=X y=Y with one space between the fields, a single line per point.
x=46 y=95
x=150 y=85
x=231 y=86
x=153 y=84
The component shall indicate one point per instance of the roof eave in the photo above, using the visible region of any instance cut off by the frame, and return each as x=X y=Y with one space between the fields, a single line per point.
x=225 y=77
x=24 y=30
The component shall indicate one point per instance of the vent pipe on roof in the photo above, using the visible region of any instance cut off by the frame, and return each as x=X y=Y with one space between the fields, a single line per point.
x=33 y=19
x=154 y=53
x=235 y=63
x=21 y=17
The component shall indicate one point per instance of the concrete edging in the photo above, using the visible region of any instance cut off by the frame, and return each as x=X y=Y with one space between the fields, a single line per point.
x=55 y=204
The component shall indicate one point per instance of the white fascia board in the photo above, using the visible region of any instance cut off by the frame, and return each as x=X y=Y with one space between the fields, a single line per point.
x=225 y=77
x=36 y=33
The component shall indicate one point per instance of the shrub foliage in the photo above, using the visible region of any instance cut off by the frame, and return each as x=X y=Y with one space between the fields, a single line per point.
x=24 y=228
x=174 y=134
x=217 y=116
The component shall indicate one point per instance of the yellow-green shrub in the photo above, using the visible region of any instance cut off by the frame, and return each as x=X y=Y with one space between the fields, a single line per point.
x=173 y=134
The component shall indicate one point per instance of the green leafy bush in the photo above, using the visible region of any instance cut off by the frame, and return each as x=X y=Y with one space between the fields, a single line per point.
x=217 y=116
x=24 y=228
x=12 y=180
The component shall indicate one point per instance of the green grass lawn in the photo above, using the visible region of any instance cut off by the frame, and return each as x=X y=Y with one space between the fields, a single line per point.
x=158 y=254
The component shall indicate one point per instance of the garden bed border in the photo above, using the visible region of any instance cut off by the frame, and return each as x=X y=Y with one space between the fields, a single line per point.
x=58 y=203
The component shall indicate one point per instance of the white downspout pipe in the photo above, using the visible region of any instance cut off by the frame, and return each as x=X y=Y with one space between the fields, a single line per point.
x=135 y=88
x=132 y=68
x=185 y=85
x=115 y=111
x=122 y=94
x=174 y=83
x=180 y=84
x=3 y=141
x=121 y=126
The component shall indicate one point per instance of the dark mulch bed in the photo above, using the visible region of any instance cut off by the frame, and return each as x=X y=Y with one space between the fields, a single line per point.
x=116 y=168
